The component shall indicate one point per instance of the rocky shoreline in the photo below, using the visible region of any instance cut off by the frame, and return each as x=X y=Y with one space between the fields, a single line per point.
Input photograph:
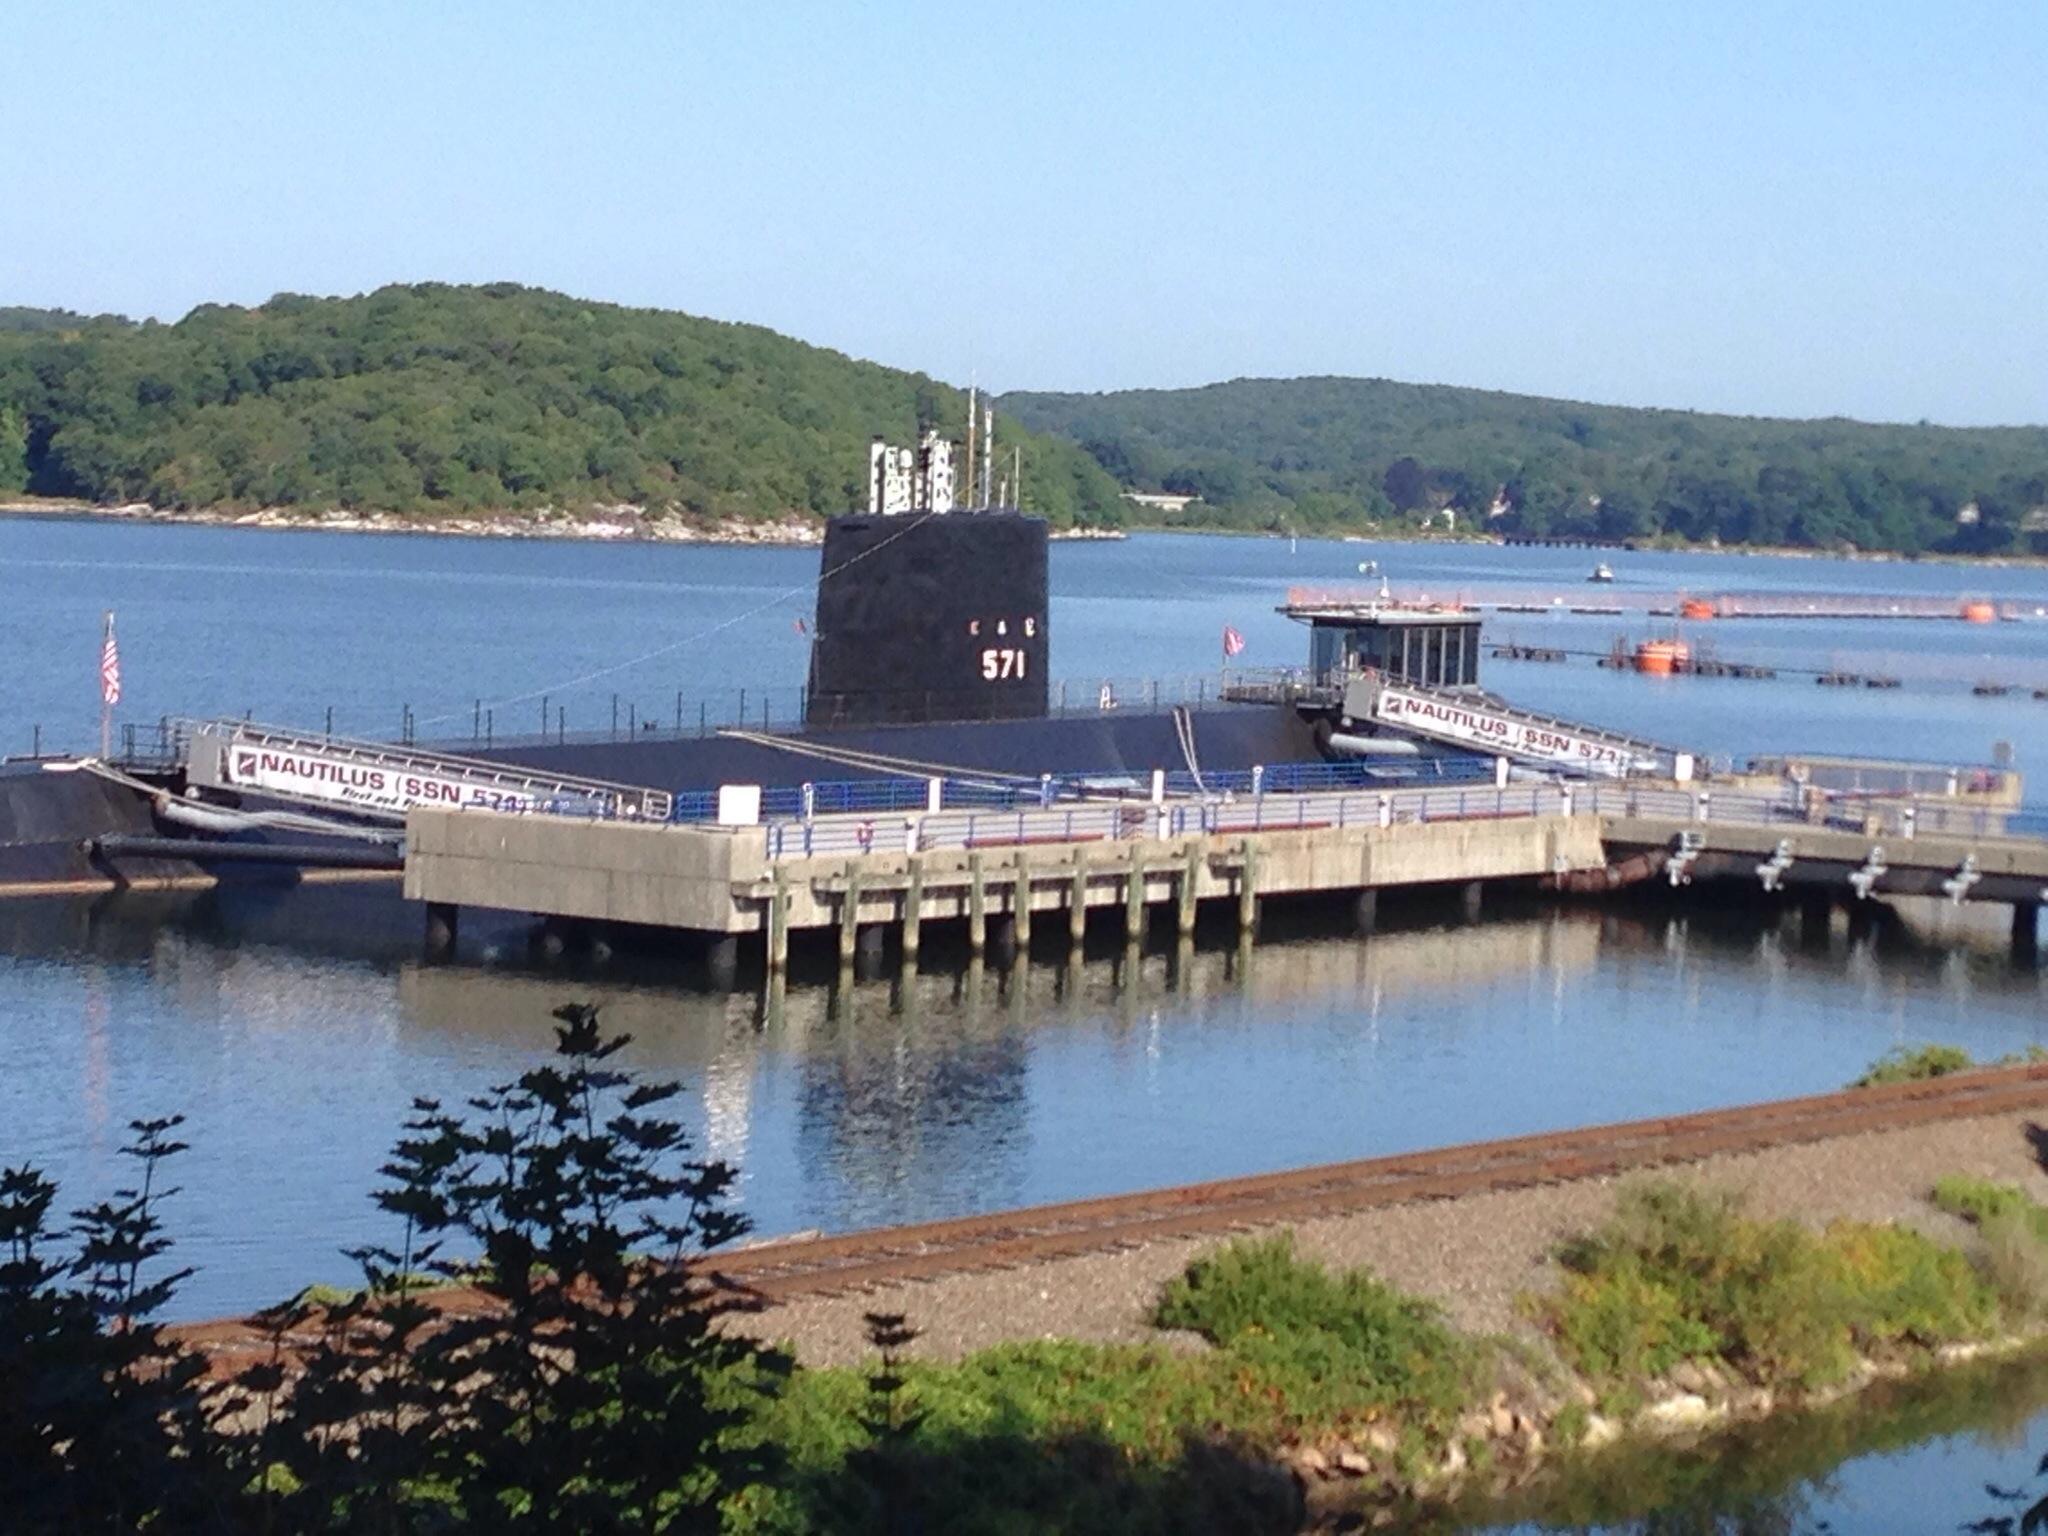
x=617 y=524
x=1483 y=1259
x=629 y=523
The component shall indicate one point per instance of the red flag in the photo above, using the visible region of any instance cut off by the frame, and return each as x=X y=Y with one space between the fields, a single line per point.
x=1233 y=642
x=110 y=667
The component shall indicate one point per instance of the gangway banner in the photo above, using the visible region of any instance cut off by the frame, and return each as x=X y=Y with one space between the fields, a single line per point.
x=1491 y=731
x=346 y=780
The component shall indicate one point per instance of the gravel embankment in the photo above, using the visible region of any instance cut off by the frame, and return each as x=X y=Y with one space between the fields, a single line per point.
x=1474 y=1255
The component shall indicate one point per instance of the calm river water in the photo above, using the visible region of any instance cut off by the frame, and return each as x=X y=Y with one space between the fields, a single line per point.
x=293 y=1029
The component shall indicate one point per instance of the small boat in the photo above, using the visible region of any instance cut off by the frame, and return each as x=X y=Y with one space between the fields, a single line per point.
x=1661 y=658
x=1601 y=572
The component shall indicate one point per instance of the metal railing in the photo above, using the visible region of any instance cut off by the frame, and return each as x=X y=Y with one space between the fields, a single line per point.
x=1219 y=815
x=496 y=785
x=914 y=830
x=894 y=796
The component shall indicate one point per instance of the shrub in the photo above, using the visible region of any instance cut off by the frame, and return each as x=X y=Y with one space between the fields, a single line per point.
x=101 y=1426
x=1338 y=1344
x=1912 y=1064
x=592 y=1391
x=1677 y=1273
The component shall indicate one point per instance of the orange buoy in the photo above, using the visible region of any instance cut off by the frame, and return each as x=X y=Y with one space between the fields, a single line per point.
x=1977 y=611
x=1696 y=608
x=1660 y=658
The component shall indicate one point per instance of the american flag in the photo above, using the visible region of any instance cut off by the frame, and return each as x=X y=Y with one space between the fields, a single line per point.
x=110 y=667
x=1233 y=642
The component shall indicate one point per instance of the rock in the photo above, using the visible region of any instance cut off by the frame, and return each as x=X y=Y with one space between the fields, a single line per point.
x=1310 y=1462
x=1381 y=1440
x=1501 y=1421
x=1600 y=1430
x=1688 y=1377
x=1454 y=1462
x=1685 y=1408
x=1353 y=1463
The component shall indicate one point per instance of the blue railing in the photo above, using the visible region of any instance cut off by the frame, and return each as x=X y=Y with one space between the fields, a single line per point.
x=883 y=797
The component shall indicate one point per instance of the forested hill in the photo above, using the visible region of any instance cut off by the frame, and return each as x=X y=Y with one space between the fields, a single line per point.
x=435 y=398
x=1318 y=453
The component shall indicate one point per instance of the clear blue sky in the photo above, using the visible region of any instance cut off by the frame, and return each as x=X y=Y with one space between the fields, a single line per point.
x=1804 y=208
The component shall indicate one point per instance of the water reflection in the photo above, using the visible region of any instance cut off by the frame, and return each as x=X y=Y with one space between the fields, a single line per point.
x=293 y=1026
x=1919 y=1456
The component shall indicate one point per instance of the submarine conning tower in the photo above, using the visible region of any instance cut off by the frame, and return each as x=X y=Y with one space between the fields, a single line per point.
x=926 y=616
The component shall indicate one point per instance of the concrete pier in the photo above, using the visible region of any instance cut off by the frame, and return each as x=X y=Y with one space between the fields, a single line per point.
x=983 y=871
x=721 y=881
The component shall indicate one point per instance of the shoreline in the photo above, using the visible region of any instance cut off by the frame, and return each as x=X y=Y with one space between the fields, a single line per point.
x=1648 y=547
x=1481 y=1258
x=1488 y=1262
x=627 y=524
x=617 y=525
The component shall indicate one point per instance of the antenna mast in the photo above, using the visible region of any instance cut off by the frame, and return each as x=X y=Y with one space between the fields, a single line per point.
x=988 y=450
x=970 y=442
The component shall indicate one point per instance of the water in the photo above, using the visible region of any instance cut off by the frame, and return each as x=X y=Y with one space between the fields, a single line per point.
x=1934 y=1455
x=293 y=1029
x=285 y=626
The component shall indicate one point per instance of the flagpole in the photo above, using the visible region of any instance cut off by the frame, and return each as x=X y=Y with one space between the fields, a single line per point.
x=106 y=704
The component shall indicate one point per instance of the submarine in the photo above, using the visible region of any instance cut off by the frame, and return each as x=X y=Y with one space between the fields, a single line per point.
x=930 y=656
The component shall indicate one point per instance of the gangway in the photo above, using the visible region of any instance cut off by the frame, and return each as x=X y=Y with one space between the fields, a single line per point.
x=1483 y=722
x=384 y=782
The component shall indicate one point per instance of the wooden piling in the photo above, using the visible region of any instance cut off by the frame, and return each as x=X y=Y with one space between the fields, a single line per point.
x=1248 y=893
x=1020 y=904
x=722 y=959
x=1365 y=911
x=1077 y=903
x=977 y=907
x=1134 y=897
x=913 y=910
x=442 y=926
x=849 y=917
x=778 y=923
x=1188 y=876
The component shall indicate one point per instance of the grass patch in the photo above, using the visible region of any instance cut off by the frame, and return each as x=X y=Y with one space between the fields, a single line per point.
x=1678 y=1274
x=2014 y=1229
x=1984 y=1203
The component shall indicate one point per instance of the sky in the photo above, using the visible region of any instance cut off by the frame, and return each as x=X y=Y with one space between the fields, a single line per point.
x=1777 y=209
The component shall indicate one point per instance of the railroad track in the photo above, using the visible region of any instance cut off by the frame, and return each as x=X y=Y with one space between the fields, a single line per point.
x=778 y=1271
x=782 y=1270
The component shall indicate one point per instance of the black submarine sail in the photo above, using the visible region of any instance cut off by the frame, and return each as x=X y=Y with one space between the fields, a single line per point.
x=929 y=611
